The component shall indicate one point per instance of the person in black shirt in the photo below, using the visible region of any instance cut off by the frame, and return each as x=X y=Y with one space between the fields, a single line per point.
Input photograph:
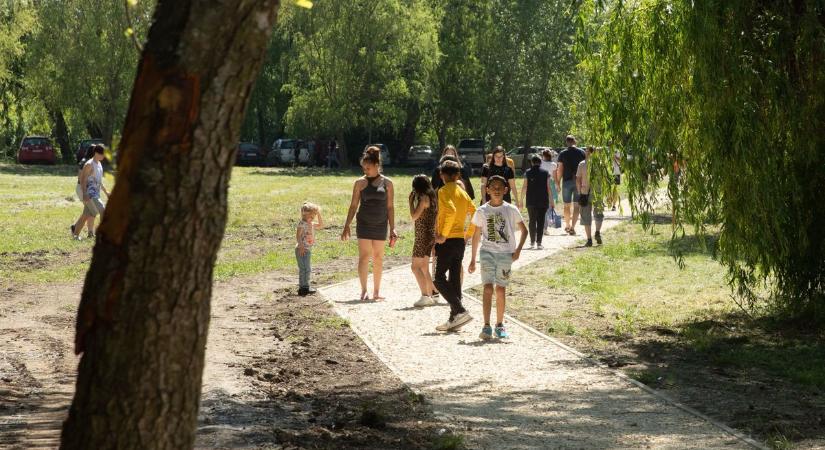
x=466 y=172
x=498 y=166
x=568 y=162
x=536 y=189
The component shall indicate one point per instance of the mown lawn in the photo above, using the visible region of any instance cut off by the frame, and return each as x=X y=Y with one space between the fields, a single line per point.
x=39 y=204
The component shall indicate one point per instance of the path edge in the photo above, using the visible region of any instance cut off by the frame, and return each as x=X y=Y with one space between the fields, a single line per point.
x=655 y=393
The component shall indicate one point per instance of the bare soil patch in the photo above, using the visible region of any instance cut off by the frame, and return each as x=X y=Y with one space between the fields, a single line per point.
x=282 y=371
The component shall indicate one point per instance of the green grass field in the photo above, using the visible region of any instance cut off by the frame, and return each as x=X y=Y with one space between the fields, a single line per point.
x=264 y=204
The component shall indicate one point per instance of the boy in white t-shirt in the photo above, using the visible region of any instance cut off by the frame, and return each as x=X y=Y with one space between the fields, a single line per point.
x=496 y=222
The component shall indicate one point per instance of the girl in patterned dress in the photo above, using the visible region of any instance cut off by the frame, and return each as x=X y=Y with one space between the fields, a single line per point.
x=423 y=206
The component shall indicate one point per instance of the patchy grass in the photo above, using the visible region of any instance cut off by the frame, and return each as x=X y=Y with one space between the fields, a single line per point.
x=264 y=204
x=334 y=323
x=630 y=305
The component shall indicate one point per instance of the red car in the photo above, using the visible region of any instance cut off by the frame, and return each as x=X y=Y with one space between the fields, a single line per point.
x=34 y=149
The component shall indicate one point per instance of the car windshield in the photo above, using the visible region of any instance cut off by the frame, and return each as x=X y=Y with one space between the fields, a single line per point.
x=36 y=141
x=287 y=144
x=249 y=147
x=421 y=150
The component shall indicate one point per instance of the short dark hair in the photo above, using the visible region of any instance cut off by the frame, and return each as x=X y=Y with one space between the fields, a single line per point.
x=498 y=178
x=535 y=159
x=450 y=168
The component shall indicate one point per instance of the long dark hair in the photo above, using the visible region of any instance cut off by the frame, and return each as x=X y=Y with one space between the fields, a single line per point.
x=421 y=186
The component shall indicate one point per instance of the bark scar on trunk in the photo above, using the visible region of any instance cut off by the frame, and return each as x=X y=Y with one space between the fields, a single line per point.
x=166 y=116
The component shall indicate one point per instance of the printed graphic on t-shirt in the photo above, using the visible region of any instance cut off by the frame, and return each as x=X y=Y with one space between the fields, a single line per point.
x=497 y=229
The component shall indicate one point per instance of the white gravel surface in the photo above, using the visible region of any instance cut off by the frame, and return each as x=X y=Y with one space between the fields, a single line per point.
x=523 y=392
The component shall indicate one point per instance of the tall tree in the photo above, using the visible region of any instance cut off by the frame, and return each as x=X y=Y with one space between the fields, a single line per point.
x=80 y=62
x=16 y=22
x=144 y=311
x=358 y=65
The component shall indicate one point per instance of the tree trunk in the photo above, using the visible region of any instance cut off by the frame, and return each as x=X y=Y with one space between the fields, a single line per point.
x=61 y=132
x=259 y=115
x=144 y=311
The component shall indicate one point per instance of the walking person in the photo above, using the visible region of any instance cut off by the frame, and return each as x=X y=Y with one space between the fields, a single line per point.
x=372 y=198
x=496 y=222
x=85 y=216
x=454 y=205
x=91 y=181
x=466 y=173
x=568 y=163
x=536 y=190
x=305 y=235
x=423 y=207
x=550 y=166
x=498 y=166
x=589 y=208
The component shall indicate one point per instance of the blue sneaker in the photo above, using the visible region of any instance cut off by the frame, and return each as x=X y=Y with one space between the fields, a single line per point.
x=486 y=333
x=501 y=333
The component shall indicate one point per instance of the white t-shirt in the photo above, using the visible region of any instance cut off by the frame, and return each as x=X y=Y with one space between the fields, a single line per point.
x=498 y=227
x=549 y=166
x=617 y=169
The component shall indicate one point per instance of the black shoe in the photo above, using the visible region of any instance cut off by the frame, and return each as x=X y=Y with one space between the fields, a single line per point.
x=589 y=243
x=303 y=291
x=598 y=237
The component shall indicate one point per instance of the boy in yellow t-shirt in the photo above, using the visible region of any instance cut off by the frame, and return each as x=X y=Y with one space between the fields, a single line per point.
x=454 y=206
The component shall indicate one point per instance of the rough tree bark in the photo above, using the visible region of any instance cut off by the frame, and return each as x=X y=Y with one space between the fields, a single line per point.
x=144 y=312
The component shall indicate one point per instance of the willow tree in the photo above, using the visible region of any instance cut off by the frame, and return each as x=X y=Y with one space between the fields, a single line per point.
x=144 y=311
x=731 y=95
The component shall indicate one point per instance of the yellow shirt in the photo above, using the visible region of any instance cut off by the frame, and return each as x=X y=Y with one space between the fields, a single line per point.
x=454 y=205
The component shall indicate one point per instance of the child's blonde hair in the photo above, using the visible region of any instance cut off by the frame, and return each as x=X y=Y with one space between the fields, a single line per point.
x=309 y=207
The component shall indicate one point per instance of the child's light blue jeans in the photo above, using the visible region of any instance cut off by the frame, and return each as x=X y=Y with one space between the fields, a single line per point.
x=304 y=268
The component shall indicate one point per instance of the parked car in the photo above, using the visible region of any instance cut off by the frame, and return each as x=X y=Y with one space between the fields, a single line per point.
x=421 y=156
x=250 y=154
x=34 y=149
x=83 y=147
x=385 y=153
x=472 y=152
x=283 y=151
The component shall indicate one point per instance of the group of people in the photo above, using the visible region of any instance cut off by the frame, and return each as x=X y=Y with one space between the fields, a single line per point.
x=445 y=217
x=88 y=190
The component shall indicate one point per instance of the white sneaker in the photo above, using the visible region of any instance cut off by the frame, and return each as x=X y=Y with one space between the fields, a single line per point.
x=457 y=322
x=539 y=247
x=531 y=247
x=425 y=300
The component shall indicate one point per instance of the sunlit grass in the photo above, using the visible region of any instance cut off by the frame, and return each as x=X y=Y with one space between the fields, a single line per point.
x=264 y=209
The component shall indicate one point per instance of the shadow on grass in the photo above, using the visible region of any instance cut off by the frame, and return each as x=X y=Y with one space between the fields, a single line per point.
x=742 y=372
x=37 y=170
x=354 y=171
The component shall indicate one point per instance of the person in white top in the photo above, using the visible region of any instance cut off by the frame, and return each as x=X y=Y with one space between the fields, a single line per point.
x=496 y=222
x=91 y=183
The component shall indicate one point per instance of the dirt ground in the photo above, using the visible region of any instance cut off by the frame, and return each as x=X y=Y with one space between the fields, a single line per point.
x=774 y=409
x=282 y=372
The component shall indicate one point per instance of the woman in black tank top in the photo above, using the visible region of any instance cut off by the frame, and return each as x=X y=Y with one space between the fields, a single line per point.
x=372 y=198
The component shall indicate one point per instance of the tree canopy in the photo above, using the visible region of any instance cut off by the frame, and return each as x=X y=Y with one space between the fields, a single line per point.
x=724 y=100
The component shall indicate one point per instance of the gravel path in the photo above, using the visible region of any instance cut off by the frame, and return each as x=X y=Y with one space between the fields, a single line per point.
x=526 y=392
